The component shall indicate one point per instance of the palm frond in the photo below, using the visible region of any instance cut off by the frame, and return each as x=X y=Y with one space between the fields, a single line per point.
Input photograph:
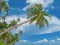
x=33 y=19
x=46 y=14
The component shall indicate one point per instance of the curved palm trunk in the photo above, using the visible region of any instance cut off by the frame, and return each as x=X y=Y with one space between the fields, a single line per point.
x=13 y=27
x=13 y=43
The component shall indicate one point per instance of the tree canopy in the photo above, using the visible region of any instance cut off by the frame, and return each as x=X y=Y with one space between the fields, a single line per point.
x=7 y=38
x=36 y=13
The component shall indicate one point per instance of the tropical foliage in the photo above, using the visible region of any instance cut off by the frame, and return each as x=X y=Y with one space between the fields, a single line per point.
x=35 y=13
x=7 y=37
x=1 y=43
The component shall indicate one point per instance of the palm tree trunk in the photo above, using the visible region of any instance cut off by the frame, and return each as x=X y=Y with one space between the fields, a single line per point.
x=13 y=27
x=13 y=42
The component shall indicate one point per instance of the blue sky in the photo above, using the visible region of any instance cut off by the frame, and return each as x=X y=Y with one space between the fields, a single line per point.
x=32 y=34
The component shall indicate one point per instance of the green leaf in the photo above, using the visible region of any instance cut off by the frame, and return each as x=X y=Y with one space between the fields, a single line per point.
x=1 y=43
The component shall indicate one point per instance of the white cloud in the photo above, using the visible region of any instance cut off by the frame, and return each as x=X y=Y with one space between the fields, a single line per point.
x=52 y=41
x=15 y=8
x=45 y=3
x=54 y=20
x=54 y=25
x=6 y=0
x=25 y=8
x=23 y=41
x=58 y=39
x=41 y=41
x=14 y=17
x=22 y=19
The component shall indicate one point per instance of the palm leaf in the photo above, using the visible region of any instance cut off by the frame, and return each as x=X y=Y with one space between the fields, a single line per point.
x=33 y=19
x=46 y=14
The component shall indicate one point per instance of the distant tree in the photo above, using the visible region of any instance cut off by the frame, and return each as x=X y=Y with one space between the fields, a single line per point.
x=7 y=37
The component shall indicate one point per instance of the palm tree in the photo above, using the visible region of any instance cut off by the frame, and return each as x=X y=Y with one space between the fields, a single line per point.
x=7 y=37
x=3 y=18
x=4 y=6
x=35 y=13
x=1 y=43
x=13 y=23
